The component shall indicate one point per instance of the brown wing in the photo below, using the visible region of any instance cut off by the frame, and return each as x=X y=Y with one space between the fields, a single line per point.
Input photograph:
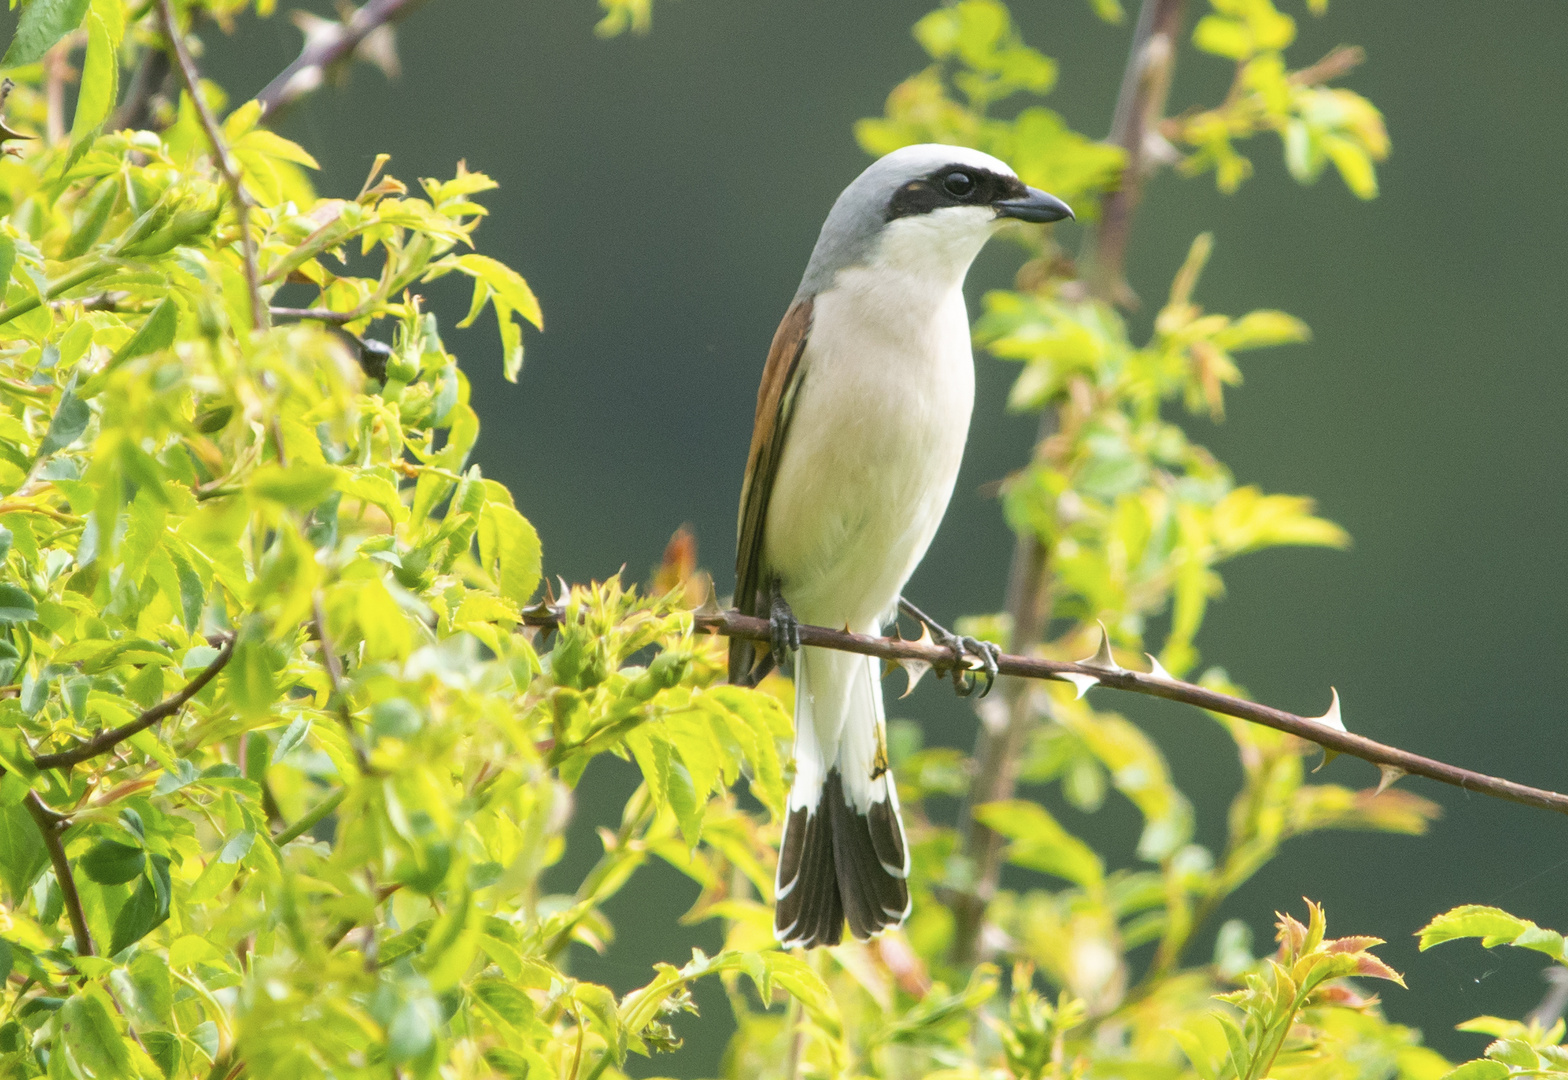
x=781 y=378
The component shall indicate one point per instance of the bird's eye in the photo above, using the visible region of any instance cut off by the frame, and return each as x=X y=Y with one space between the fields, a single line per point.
x=959 y=184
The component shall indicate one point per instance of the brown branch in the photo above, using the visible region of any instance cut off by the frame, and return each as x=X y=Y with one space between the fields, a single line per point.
x=1146 y=84
x=152 y=72
x=1330 y=67
x=51 y=825
x=325 y=48
x=105 y=741
x=225 y=160
x=734 y=624
x=999 y=745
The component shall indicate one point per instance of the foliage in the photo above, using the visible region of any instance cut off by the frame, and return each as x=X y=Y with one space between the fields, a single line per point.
x=1531 y=1048
x=284 y=765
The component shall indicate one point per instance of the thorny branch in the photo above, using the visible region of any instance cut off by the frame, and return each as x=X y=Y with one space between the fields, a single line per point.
x=1104 y=671
x=326 y=46
x=105 y=741
x=225 y=160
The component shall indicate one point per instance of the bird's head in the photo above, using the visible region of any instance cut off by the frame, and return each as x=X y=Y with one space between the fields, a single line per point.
x=928 y=207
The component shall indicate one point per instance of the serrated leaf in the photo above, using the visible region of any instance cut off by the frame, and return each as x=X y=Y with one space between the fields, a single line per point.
x=43 y=23
x=100 y=80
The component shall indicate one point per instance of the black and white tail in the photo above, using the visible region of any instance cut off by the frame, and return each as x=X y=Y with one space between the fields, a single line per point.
x=844 y=855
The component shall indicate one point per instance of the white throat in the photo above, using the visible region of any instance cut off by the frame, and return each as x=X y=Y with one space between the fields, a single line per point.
x=935 y=248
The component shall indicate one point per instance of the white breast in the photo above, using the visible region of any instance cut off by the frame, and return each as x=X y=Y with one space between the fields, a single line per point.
x=878 y=430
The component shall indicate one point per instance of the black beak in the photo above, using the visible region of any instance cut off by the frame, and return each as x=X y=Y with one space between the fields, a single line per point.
x=1035 y=206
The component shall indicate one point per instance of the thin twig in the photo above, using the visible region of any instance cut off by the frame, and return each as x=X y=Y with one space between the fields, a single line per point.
x=1331 y=67
x=319 y=314
x=329 y=660
x=325 y=48
x=51 y=824
x=135 y=112
x=311 y=818
x=80 y=276
x=940 y=657
x=225 y=160
x=105 y=741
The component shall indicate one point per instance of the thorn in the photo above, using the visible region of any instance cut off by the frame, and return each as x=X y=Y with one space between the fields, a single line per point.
x=914 y=670
x=1331 y=718
x=566 y=590
x=1082 y=682
x=1157 y=670
x=1328 y=756
x=1102 y=658
x=710 y=603
x=1387 y=775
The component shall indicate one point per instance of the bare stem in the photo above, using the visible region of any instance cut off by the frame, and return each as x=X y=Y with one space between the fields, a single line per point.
x=51 y=825
x=1145 y=86
x=105 y=741
x=326 y=315
x=311 y=818
x=325 y=49
x=734 y=624
x=225 y=160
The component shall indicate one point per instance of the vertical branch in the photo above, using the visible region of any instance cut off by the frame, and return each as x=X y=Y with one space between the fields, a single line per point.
x=57 y=70
x=1003 y=730
x=1146 y=84
x=226 y=163
x=51 y=825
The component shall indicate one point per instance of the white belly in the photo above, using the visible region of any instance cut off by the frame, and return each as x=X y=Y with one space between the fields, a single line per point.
x=873 y=448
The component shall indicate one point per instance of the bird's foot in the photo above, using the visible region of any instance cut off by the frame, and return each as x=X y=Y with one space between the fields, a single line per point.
x=783 y=629
x=965 y=678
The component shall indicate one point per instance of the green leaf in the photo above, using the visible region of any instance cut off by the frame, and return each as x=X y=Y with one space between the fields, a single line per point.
x=7 y=261
x=22 y=852
x=508 y=542
x=109 y=862
x=43 y=23
x=1493 y=926
x=138 y=916
x=300 y=485
x=155 y=333
x=16 y=605
x=1040 y=843
x=1481 y=1069
x=100 y=80
x=92 y=1040
x=67 y=425
x=249 y=679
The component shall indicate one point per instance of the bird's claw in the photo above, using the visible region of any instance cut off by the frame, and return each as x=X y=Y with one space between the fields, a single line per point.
x=965 y=678
x=783 y=630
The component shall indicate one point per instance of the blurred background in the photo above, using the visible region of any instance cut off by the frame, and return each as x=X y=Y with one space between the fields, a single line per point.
x=662 y=194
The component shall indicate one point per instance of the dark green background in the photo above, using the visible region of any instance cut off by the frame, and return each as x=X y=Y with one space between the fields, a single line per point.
x=662 y=195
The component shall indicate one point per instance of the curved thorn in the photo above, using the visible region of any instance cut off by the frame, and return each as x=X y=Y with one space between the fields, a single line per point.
x=1387 y=775
x=1157 y=670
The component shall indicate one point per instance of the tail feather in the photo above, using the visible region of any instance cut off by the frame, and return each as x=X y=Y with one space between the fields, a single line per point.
x=844 y=854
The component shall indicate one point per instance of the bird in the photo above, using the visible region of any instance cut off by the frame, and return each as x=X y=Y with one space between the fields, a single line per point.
x=862 y=416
